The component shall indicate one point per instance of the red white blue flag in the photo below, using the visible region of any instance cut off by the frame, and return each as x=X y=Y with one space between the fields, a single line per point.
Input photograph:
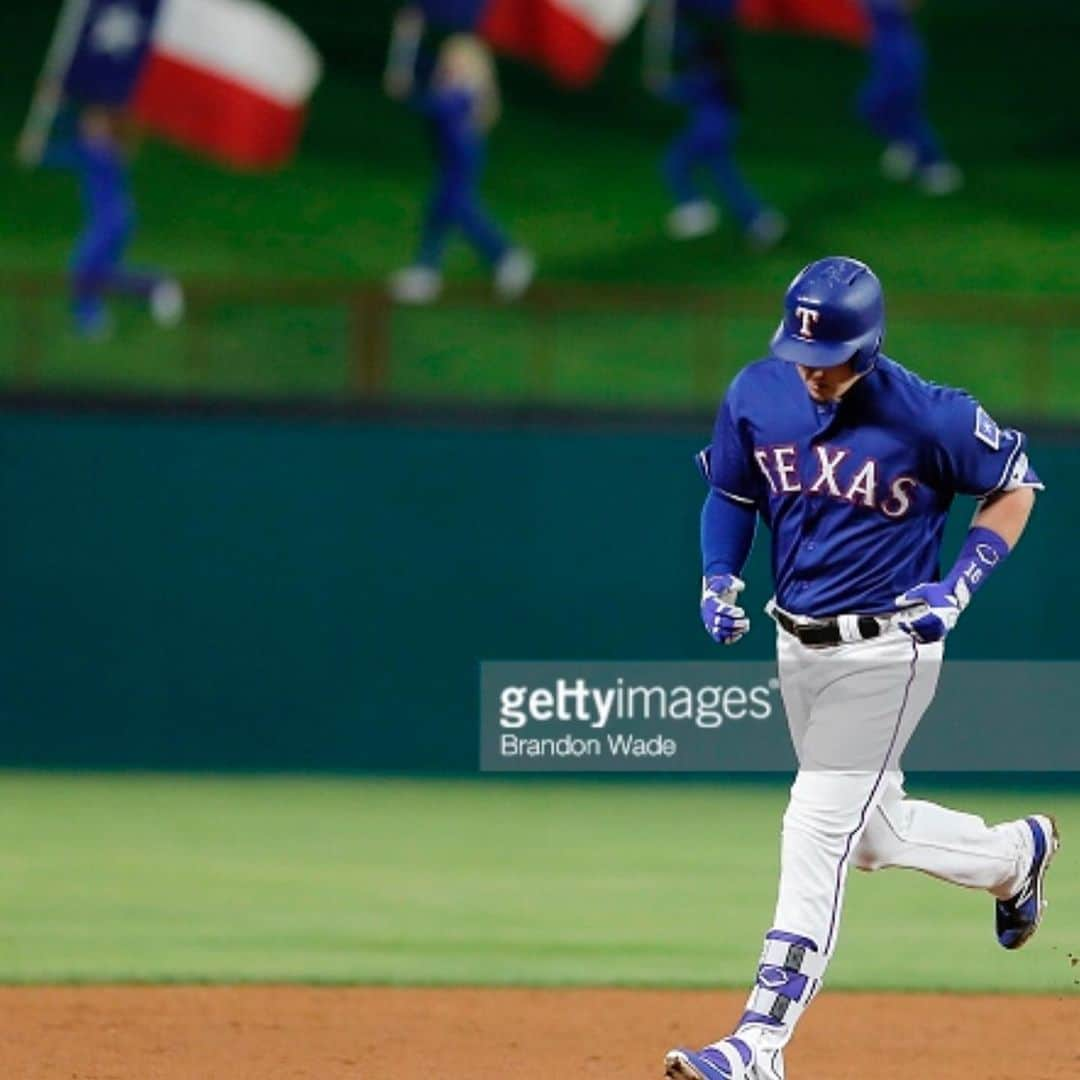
x=846 y=20
x=843 y=19
x=570 y=38
x=227 y=78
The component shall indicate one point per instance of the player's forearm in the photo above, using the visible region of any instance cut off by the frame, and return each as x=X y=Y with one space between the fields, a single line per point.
x=727 y=534
x=998 y=525
x=1006 y=514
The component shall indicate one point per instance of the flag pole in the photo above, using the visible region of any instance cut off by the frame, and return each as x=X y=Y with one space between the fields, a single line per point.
x=659 y=43
x=48 y=93
x=406 y=35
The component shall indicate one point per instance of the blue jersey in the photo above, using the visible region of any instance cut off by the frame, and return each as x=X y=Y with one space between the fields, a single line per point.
x=856 y=492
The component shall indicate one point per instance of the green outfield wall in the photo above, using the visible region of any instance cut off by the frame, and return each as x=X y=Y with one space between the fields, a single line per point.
x=231 y=591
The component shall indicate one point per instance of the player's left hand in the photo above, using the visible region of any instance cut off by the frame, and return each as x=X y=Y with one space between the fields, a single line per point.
x=934 y=611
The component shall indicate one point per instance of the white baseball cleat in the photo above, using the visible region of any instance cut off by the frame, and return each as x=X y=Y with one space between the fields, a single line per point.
x=941 y=178
x=514 y=273
x=689 y=220
x=898 y=162
x=416 y=285
x=729 y=1059
x=167 y=302
x=766 y=230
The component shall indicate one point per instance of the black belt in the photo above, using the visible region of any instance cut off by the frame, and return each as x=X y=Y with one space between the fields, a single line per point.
x=820 y=633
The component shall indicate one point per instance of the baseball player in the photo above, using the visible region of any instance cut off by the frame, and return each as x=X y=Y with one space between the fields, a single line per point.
x=96 y=153
x=852 y=462
x=461 y=104
x=892 y=101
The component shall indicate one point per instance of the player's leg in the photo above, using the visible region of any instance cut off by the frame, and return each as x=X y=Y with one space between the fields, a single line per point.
x=740 y=197
x=865 y=701
x=692 y=215
x=513 y=267
x=440 y=217
x=421 y=282
x=479 y=227
x=90 y=266
x=680 y=161
x=733 y=1057
x=914 y=149
x=876 y=104
x=161 y=291
x=714 y=134
x=934 y=173
x=888 y=100
x=892 y=102
x=1009 y=861
x=796 y=688
x=948 y=844
x=763 y=226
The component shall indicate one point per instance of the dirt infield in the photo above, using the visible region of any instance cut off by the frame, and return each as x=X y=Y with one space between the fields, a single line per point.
x=297 y=1033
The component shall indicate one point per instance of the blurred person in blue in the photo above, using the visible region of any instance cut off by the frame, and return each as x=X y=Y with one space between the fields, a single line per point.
x=707 y=88
x=892 y=101
x=460 y=102
x=95 y=147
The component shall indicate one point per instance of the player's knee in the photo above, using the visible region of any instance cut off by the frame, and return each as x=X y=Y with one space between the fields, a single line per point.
x=883 y=836
x=868 y=859
x=872 y=851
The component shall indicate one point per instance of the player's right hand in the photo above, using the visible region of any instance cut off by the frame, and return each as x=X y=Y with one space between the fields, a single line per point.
x=724 y=620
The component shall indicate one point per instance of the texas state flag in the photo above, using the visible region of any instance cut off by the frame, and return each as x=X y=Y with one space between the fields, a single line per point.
x=227 y=78
x=570 y=38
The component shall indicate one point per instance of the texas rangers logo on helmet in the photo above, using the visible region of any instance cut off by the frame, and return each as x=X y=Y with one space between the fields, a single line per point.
x=808 y=318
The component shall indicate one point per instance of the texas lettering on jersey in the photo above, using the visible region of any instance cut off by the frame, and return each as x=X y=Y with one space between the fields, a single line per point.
x=837 y=477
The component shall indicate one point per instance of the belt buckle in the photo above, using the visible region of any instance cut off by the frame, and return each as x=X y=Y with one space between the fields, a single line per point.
x=778 y=614
x=793 y=624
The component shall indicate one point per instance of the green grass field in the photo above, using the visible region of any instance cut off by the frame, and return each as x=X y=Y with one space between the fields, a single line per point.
x=576 y=178
x=484 y=882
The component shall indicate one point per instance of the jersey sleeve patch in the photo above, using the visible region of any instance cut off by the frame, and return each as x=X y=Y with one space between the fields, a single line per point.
x=986 y=430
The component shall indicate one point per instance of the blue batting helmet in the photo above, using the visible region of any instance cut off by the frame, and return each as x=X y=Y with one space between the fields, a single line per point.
x=834 y=311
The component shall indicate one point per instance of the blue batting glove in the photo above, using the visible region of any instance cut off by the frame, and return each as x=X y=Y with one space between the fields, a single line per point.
x=724 y=620
x=935 y=607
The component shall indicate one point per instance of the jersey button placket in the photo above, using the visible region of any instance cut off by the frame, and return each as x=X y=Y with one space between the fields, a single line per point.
x=811 y=504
